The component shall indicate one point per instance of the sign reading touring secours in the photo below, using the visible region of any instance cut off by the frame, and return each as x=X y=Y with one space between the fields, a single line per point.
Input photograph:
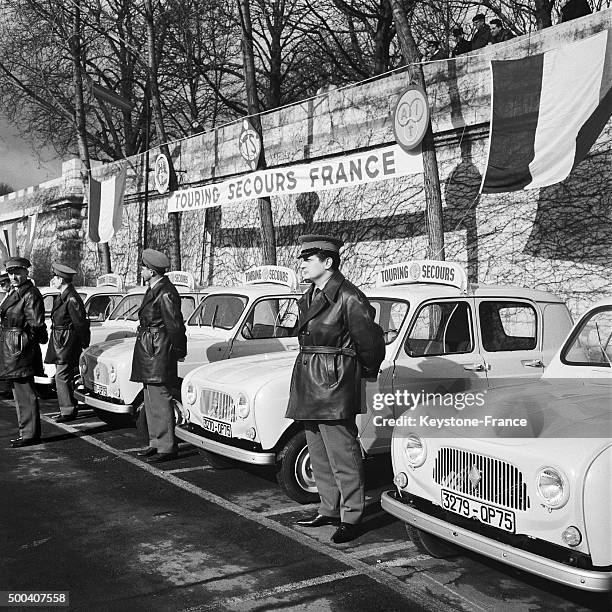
x=423 y=271
x=271 y=274
x=111 y=280
x=370 y=166
x=184 y=279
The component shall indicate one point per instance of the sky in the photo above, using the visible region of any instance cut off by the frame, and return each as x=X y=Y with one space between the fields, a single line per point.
x=20 y=166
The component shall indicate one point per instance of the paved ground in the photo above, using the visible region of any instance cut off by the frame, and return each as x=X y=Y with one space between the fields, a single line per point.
x=81 y=513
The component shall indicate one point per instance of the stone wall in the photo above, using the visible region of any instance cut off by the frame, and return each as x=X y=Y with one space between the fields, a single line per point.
x=555 y=238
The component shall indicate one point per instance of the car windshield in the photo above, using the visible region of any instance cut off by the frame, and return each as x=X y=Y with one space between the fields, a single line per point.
x=219 y=311
x=127 y=308
x=591 y=343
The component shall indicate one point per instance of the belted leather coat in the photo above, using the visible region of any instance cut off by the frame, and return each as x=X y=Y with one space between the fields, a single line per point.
x=161 y=340
x=22 y=331
x=69 y=328
x=339 y=345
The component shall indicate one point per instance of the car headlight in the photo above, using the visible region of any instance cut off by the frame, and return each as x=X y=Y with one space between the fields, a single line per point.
x=191 y=393
x=112 y=375
x=552 y=487
x=83 y=365
x=243 y=406
x=414 y=450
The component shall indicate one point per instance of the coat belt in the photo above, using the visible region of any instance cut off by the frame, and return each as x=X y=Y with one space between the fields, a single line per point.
x=61 y=327
x=328 y=350
x=152 y=328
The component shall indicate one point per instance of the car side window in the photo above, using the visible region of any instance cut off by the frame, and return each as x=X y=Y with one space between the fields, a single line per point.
x=441 y=328
x=591 y=343
x=390 y=315
x=187 y=306
x=271 y=318
x=98 y=307
x=507 y=326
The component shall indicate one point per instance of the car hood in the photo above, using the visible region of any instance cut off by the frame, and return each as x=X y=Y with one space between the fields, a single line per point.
x=112 y=349
x=241 y=370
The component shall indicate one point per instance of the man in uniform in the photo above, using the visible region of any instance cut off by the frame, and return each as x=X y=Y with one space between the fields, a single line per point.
x=339 y=345
x=22 y=320
x=160 y=343
x=69 y=336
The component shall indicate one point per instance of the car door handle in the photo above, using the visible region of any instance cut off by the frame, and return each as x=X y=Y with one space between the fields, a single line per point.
x=533 y=363
x=476 y=367
x=293 y=347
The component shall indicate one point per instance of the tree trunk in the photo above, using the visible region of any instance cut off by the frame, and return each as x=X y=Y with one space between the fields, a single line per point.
x=268 y=238
x=433 y=197
x=79 y=105
x=174 y=219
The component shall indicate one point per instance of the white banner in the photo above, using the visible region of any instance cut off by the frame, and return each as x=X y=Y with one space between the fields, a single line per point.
x=349 y=171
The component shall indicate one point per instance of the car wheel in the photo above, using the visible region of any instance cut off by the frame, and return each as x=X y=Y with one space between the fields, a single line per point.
x=294 y=472
x=430 y=544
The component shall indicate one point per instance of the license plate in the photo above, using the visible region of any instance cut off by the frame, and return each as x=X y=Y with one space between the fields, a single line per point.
x=99 y=389
x=223 y=429
x=485 y=513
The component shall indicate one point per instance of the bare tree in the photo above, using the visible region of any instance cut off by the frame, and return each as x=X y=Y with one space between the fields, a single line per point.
x=5 y=188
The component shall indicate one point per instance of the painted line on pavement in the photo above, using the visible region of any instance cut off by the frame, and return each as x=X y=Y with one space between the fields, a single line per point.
x=381 y=550
x=418 y=581
x=197 y=468
x=288 y=509
x=279 y=590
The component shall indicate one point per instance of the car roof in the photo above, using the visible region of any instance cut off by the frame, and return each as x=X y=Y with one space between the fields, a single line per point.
x=255 y=290
x=423 y=291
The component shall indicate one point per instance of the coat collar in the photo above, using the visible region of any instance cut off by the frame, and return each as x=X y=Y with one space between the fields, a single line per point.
x=314 y=304
x=62 y=298
x=16 y=294
x=152 y=292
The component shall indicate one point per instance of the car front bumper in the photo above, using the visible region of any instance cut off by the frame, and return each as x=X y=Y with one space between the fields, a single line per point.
x=86 y=398
x=578 y=578
x=226 y=450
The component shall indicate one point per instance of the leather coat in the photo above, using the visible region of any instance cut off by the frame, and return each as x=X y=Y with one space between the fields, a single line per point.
x=161 y=338
x=23 y=329
x=339 y=345
x=69 y=328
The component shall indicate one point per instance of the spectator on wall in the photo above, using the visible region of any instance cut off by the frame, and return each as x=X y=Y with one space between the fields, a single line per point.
x=498 y=32
x=460 y=44
x=572 y=9
x=433 y=51
x=482 y=32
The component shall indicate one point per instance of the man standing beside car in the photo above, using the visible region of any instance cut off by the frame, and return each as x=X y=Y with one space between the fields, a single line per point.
x=161 y=342
x=22 y=331
x=69 y=336
x=340 y=344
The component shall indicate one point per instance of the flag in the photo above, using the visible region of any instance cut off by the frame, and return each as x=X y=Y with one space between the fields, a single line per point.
x=31 y=227
x=547 y=110
x=105 y=206
x=8 y=241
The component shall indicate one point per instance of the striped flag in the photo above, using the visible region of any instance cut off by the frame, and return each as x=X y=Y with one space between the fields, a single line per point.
x=30 y=229
x=105 y=206
x=547 y=110
x=8 y=241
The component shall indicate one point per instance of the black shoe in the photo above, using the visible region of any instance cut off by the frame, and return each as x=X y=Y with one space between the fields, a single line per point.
x=21 y=442
x=318 y=520
x=65 y=418
x=346 y=532
x=162 y=457
x=147 y=452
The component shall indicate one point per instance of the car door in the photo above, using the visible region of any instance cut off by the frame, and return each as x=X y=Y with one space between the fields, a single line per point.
x=269 y=326
x=510 y=332
x=440 y=353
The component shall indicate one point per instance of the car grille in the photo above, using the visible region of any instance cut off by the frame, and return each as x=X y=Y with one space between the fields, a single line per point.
x=96 y=372
x=218 y=405
x=481 y=477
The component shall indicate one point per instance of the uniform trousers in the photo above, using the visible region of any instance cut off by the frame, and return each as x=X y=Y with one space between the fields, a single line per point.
x=28 y=411
x=335 y=456
x=159 y=408
x=64 y=385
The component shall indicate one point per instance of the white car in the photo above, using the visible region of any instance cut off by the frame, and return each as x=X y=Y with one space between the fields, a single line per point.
x=123 y=319
x=258 y=316
x=441 y=335
x=535 y=494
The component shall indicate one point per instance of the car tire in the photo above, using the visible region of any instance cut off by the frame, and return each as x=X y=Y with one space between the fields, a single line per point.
x=429 y=544
x=294 y=473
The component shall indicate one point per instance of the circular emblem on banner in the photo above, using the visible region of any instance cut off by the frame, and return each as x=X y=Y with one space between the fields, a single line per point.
x=162 y=173
x=411 y=118
x=415 y=271
x=249 y=144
